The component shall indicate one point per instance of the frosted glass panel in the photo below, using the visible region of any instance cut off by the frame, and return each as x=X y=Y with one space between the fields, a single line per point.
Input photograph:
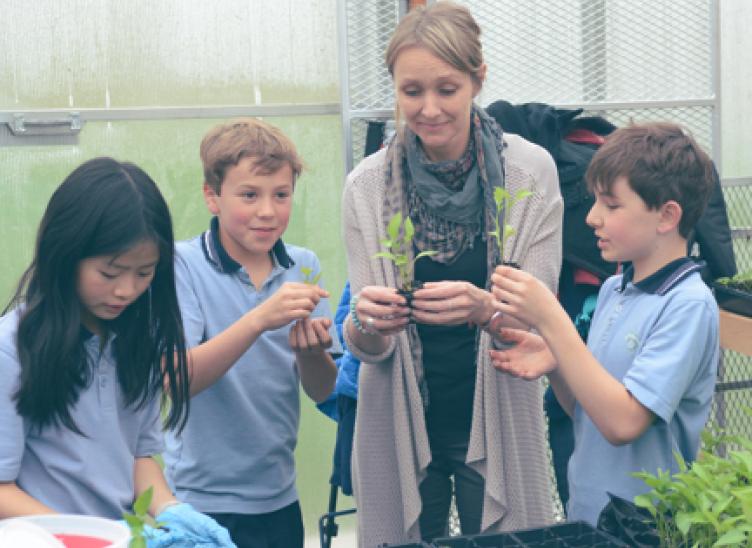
x=168 y=151
x=81 y=53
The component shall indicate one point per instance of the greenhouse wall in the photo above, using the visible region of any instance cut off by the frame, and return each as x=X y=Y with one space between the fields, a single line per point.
x=168 y=71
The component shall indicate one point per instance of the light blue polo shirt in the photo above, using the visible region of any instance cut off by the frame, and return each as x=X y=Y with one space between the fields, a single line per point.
x=660 y=338
x=236 y=453
x=70 y=473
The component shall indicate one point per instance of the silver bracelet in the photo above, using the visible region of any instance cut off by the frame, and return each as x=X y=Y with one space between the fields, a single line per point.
x=354 y=315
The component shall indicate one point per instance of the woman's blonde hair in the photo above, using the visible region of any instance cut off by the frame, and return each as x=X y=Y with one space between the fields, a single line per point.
x=447 y=30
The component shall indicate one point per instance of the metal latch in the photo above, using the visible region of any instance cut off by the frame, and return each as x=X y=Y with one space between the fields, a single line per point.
x=22 y=126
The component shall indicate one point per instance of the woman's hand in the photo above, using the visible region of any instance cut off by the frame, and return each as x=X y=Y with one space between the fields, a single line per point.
x=381 y=310
x=529 y=358
x=523 y=296
x=452 y=303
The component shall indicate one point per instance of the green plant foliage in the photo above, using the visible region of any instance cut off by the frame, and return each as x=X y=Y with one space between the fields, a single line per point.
x=504 y=201
x=708 y=503
x=398 y=243
x=140 y=518
x=741 y=281
x=307 y=273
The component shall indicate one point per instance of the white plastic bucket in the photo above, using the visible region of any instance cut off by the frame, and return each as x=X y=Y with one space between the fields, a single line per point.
x=117 y=534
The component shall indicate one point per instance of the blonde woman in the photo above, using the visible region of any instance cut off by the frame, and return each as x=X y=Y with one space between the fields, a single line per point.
x=432 y=411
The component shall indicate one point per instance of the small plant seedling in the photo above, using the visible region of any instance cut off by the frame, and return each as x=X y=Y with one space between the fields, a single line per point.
x=307 y=273
x=140 y=518
x=504 y=202
x=741 y=281
x=400 y=234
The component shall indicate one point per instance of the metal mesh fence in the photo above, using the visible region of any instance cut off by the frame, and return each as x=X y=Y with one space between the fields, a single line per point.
x=734 y=387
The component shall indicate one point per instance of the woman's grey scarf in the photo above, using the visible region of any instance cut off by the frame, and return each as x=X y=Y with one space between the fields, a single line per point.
x=447 y=213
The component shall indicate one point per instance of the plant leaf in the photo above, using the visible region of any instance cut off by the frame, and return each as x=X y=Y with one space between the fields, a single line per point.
x=387 y=243
x=735 y=537
x=141 y=506
x=500 y=195
x=393 y=227
x=138 y=542
x=316 y=278
x=646 y=502
x=385 y=255
x=427 y=253
x=134 y=522
x=306 y=270
x=409 y=230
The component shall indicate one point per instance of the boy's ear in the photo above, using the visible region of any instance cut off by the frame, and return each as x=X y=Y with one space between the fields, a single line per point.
x=210 y=197
x=671 y=214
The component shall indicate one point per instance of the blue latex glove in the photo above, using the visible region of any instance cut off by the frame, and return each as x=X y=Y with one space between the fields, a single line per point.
x=161 y=538
x=183 y=521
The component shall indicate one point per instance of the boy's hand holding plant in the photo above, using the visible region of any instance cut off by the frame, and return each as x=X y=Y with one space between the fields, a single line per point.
x=291 y=302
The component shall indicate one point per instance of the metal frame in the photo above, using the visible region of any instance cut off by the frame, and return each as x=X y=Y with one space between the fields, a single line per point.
x=172 y=113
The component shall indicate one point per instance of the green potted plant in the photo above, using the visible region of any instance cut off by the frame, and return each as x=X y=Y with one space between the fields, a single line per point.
x=398 y=244
x=708 y=503
x=735 y=293
x=503 y=231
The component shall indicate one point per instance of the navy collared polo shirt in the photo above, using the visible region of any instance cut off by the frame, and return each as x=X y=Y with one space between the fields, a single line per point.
x=236 y=453
x=660 y=338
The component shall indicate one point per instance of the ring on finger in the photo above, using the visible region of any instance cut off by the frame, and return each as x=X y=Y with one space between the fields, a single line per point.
x=369 y=323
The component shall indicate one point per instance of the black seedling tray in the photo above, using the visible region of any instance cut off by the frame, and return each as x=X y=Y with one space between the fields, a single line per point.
x=733 y=300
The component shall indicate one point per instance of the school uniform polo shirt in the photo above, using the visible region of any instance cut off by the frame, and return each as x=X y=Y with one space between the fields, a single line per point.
x=660 y=338
x=71 y=473
x=236 y=453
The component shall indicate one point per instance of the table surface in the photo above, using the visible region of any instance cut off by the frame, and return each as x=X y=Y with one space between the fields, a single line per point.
x=736 y=332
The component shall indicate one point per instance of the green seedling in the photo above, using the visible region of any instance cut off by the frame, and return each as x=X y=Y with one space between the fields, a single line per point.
x=140 y=518
x=741 y=281
x=707 y=503
x=504 y=202
x=400 y=234
x=307 y=273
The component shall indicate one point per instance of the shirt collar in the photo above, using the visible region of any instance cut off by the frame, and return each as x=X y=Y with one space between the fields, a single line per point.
x=662 y=280
x=217 y=255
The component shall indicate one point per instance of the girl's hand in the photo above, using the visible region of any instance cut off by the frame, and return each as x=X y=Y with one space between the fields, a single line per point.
x=310 y=336
x=381 y=310
x=523 y=296
x=530 y=357
x=452 y=303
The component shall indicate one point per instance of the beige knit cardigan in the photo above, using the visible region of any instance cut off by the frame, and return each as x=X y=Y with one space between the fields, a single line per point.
x=507 y=443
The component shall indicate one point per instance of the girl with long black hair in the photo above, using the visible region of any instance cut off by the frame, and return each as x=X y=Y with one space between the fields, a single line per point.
x=88 y=343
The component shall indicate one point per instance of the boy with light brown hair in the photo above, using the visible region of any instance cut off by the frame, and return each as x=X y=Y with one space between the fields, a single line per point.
x=256 y=331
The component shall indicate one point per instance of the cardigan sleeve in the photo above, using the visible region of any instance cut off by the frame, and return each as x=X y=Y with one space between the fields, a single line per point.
x=538 y=218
